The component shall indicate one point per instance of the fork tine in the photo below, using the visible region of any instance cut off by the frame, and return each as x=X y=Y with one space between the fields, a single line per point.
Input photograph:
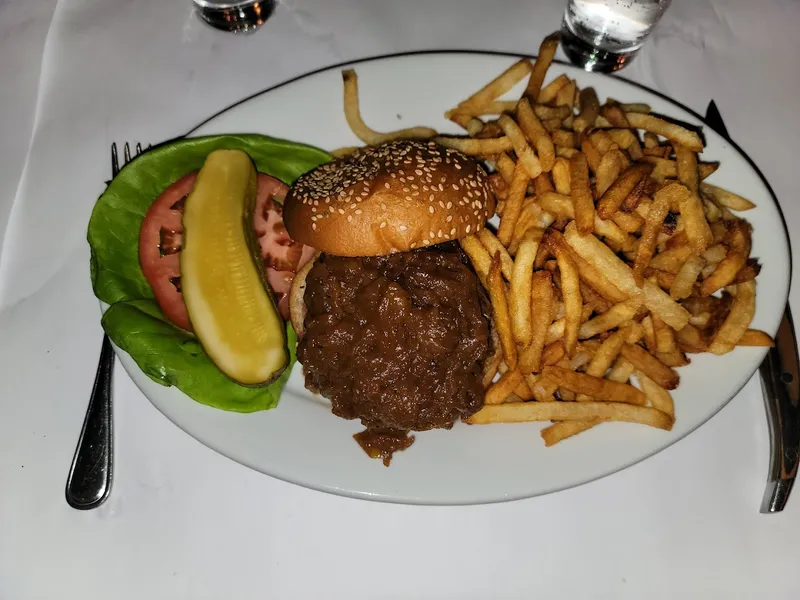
x=126 y=152
x=114 y=160
x=138 y=148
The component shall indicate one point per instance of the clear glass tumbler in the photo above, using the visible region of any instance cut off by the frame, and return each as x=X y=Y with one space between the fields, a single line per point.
x=605 y=35
x=238 y=16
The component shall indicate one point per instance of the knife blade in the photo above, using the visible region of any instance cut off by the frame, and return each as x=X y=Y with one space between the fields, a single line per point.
x=780 y=383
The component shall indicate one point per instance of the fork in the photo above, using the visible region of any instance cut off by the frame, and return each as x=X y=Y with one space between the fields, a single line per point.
x=92 y=470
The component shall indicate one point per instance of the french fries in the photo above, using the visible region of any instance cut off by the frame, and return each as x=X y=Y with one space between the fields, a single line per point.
x=614 y=258
x=352 y=113
x=581 y=193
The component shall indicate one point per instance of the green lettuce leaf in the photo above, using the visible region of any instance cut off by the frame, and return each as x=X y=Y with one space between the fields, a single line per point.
x=117 y=217
x=134 y=322
x=172 y=356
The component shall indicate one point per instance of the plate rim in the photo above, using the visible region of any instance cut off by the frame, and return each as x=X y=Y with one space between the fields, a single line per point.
x=367 y=496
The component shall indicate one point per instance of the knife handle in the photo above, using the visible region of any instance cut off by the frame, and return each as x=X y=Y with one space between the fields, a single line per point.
x=780 y=379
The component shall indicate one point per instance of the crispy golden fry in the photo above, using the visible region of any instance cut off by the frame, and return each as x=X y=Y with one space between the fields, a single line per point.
x=546 y=113
x=562 y=430
x=608 y=171
x=492 y=364
x=542 y=297
x=566 y=95
x=726 y=198
x=627 y=140
x=660 y=151
x=581 y=193
x=659 y=398
x=597 y=387
x=543 y=389
x=686 y=278
x=494 y=247
x=522 y=412
x=497 y=107
x=738 y=320
x=665 y=336
x=505 y=166
x=344 y=151
x=614 y=114
x=629 y=222
x=687 y=167
x=563 y=138
x=691 y=339
x=615 y=195
x=647 y=243
x=537 y=134
x=566 y=152
x=557 y=204
x=604 y=260
x=591 y=153
x=547 y=50
x=571 y=293
x=605 y=356
x=649 y=333
x=647 y=363
x=352 y=113
x=664 y=168
x=473 y=125
x=589 y=109
x=596 y=279
x=676 y=358
x=674 y=133
x=549 y=92
x=513 y=205
x=617 y=239
x=497 y=86
x=478 y=255
x=739 y=241
x=691 y=209
x=650 y=140
x=561 y=176
x=476 y=147
x=525 y=155
x=613 y=317
x=593 y=299
x=672 y=259
x=542 y=184
x=502 y=319
x=555 y=332
x=520 y=291
x=756 y=337
x=621 y=371
x=503 y=387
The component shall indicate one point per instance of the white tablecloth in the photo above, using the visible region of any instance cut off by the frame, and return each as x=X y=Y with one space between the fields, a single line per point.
x=185 y=522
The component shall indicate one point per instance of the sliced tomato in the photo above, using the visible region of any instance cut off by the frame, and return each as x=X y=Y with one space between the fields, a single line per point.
x=159 y=244
x=162 y=235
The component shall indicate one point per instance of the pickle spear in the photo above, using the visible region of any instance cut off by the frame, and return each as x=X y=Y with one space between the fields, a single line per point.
x=230 y=306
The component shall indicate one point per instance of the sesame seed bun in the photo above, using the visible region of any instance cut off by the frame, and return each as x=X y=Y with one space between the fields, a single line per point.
x=390 y=198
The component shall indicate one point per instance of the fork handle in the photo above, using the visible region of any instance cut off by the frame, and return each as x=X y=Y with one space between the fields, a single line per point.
x=91 y=474
x=780 y=379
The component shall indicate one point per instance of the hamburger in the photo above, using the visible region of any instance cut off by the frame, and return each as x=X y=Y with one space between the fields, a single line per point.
x=393 y=324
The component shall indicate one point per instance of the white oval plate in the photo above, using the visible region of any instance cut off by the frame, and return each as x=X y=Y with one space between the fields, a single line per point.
x=302 y=442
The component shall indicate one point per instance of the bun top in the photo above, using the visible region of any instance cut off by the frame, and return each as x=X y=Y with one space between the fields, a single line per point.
x=390 y=198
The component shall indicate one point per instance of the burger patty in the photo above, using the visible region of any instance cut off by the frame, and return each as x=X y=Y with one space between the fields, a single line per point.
x=397 y=341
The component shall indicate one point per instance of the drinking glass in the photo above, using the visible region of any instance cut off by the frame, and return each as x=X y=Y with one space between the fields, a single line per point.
x=238 y=16
x=605 y=35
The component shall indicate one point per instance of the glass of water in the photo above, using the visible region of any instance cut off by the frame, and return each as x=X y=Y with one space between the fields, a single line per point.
x=237 y=16
x=605 y=35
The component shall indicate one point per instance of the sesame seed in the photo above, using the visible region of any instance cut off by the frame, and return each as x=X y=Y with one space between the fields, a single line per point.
x=358 y=211
x=448 y=219
x=386 y=185
x=353 y=205
x=314 y=226
x=430 y=197
x=453 y=231
x=426 y=242
x=431 y=210
x=468 y=228
x=439 y=233
x=403 y=227
x=341 y=211
x=330 y=208
x=349 y=218
x=432 y=235
x=383 y=224
x=383 y=206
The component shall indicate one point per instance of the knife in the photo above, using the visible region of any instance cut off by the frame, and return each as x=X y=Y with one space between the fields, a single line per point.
x=780 y=382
